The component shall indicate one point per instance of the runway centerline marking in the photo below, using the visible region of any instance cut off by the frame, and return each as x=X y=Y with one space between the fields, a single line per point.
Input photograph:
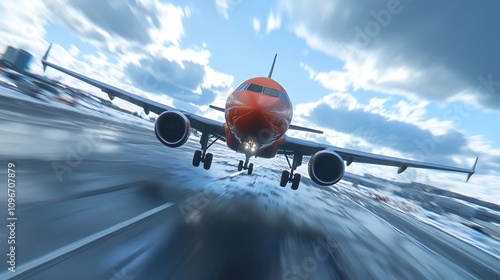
x=81 y=243
x=236 y=173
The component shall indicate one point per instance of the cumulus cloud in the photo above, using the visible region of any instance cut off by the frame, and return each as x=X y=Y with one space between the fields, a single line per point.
x=398 y=129
x=110 y=16
x=216 y=80
x=380 y=131
x=161 y=76
x=273 y=22
x=143 y=36
x=120 y=26
x=409 y=48
x=332 y=80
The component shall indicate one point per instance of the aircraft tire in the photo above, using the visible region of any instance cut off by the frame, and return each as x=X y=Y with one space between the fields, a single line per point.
x=197 y=158
x=240 y=165
x=250 y=168
x=296 y=181
x=284 y=178
x=207 y=163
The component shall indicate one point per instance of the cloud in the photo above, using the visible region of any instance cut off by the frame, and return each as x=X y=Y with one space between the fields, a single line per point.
x=74 y=51
x=161 y=76
x=216 y=80
x=273 y=22
x=256 y=25
x=489 y=156
x=408 y=48
x=119 y=26
x=400 y=130
x=380 y=131
x=332 y=80
x=223 y=8
x=146 y=50
x=22 y=26
x=110 y=16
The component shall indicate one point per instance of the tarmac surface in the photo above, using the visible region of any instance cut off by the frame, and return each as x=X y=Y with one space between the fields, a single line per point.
x=100 y=198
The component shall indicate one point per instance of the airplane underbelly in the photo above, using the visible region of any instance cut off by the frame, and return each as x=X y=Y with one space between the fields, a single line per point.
x=267 y=151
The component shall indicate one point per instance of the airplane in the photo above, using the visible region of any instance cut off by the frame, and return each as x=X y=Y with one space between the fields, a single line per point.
x=258 y=113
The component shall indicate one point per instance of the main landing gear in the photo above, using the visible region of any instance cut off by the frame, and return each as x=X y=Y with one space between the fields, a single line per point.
x=244 y=165
x=288 y=176
x=202 y=155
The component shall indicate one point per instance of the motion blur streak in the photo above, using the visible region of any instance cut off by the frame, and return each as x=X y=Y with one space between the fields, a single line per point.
x=83 y=242
x=220 y=226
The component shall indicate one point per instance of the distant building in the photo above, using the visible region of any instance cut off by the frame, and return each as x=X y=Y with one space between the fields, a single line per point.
x=16 y=59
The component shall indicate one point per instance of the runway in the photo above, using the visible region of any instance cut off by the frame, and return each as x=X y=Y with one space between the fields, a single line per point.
x=100 y=198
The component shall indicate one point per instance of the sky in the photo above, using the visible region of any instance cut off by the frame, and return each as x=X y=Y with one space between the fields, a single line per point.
x=412 y=79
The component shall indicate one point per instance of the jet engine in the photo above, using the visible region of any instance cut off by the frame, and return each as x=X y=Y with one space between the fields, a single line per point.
x=172 y=128
x=326 y=168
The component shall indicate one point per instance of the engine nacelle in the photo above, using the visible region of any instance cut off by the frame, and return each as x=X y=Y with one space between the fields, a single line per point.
x=172 y=128
x=326 y=168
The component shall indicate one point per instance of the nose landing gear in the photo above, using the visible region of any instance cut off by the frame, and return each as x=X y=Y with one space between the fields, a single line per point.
x=245 y=165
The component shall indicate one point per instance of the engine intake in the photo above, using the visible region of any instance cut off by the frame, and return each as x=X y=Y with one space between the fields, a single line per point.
x=326 y=168
x=172 y=128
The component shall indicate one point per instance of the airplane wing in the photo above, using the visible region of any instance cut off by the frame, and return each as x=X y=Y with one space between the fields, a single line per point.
x=308 y=148
x=197 y=122
x=290 y=146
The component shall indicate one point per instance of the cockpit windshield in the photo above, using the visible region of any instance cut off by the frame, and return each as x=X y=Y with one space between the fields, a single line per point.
x=255 y=88
x=265 y=90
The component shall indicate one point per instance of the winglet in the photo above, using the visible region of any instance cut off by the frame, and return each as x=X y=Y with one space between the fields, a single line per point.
x=272 y=67
x=45 y=57
x=472 y=170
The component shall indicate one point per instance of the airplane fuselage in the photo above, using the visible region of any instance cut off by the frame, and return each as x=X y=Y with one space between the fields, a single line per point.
x=258 y=114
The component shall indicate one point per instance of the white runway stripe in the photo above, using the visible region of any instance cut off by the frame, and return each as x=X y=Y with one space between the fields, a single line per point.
x=80 y=243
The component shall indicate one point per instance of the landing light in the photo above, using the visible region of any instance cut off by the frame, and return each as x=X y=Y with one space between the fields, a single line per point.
x=251 y=145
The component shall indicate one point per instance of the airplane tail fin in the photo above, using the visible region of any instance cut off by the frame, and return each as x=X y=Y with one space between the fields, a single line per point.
x=472 y=170
x=45 y=57
x=272 y=66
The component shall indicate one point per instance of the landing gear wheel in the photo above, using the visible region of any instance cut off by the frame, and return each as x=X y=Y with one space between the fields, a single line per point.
x=296 y=181
x=250 y=168
x=202 y=155
x=208 y=161
x=197 y=158
x=240 y=165
x=284 y=178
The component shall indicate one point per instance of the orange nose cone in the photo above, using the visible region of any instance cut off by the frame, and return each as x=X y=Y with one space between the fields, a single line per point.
x=250 y=124
x=256 y=117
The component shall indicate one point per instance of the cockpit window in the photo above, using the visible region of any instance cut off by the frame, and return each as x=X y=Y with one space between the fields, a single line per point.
x=242 y=87
x=271 y=91
x=283 y=96
x=265 y=90
x=255 y=88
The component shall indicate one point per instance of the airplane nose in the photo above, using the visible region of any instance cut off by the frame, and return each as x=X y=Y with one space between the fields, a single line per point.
x=256 y=117
x=255 y=125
